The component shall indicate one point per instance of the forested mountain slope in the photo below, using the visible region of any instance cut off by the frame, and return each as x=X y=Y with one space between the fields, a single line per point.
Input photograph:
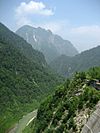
x=24 y=78
x=45 y=41
x=70 y=107
x=66 y=66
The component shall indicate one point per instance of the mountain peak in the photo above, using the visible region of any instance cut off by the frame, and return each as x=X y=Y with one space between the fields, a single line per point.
x=49 y=44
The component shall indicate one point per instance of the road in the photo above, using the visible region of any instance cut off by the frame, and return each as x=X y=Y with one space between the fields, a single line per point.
x=25 y=121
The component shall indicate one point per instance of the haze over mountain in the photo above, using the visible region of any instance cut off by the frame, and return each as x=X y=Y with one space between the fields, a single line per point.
x=25 y=78
x=77 y=21
x=66 y=66
x=45 y=41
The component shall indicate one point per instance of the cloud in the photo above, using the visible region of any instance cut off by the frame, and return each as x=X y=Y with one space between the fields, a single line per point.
x=56 y=26
x=91 y=30
x=33 y=8
x=85 y=37
x=23 y=21
x=25 y=11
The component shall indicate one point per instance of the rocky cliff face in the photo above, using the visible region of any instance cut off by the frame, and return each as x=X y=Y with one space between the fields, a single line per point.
x=45 y=41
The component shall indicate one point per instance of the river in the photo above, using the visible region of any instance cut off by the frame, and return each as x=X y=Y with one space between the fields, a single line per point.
x=25 y=121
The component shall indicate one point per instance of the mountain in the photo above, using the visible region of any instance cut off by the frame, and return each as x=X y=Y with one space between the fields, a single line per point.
x=25 y=78
x=45 y=41
x=70 y=107
x=66 y=66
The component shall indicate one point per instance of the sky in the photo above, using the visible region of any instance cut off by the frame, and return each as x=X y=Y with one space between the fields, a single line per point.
x=75 y=20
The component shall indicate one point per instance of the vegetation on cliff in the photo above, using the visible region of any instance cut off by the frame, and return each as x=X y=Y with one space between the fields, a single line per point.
x=71 y=105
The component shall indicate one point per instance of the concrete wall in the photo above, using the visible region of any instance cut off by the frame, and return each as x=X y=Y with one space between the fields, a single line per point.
x=93 y=124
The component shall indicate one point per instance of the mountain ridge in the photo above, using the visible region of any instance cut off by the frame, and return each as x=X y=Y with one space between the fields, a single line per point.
x=66 y=66
x=51 y=45
x=25 y=78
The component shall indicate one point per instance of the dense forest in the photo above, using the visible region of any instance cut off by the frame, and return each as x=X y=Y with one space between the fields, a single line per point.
x=67 y=66
x=25 y=78
x=63 y=111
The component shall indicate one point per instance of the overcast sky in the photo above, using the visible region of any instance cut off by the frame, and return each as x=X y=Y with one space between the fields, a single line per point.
x=75 y=20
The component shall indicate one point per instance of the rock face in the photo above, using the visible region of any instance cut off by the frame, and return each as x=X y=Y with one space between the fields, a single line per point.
x=45 y=41
x=93 y=124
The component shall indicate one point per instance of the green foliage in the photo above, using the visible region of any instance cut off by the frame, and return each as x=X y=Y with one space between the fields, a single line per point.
x=67 y=66
x=25 y=78
x=93 y=73
x=71 y=97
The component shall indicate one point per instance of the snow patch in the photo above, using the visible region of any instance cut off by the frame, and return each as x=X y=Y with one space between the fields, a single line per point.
x=34 y=37
x=27 y=39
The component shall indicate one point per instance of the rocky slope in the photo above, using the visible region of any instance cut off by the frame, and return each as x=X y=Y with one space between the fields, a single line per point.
x=45 y=41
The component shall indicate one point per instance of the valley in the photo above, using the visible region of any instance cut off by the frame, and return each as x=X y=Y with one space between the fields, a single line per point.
x=25 y=78
x=63 y=91
x=49 y=66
